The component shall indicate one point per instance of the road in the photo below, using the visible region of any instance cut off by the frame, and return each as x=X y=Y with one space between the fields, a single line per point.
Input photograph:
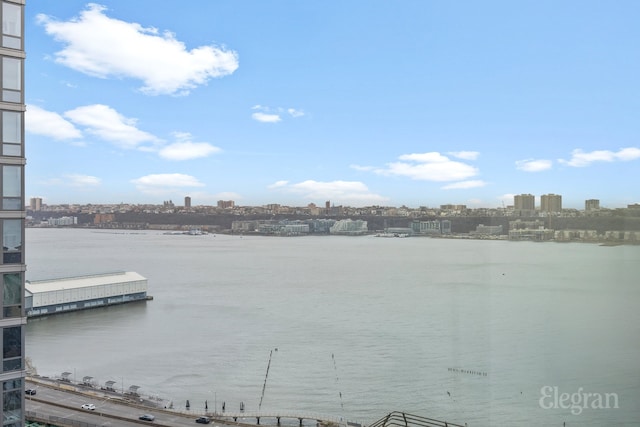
x=49 y=401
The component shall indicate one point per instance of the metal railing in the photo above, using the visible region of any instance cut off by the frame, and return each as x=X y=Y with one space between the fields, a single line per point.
x=401 y=419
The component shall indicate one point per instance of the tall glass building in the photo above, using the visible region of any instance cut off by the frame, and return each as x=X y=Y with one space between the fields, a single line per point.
x=12 y=212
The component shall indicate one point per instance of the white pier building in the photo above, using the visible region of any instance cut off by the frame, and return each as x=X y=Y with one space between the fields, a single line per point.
x=45 y=297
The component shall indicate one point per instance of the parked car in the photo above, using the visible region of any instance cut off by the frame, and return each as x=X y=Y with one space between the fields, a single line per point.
x=89 y=406
x=30 y=391
x=146 y=417
x=203 y=420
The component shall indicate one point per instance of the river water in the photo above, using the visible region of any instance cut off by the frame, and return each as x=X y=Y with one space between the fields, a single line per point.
x=464 y=330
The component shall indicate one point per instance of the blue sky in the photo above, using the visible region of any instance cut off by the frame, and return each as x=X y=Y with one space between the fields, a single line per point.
x=415 y=103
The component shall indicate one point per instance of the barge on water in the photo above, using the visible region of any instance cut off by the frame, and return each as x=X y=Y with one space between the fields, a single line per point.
x=53 y=296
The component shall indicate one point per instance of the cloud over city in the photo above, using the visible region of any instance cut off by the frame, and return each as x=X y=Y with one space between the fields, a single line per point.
x=158 y=184
x=465 y=155
x=39 y=121
x=78 y=180
x=353 y=193
x=581 y=158
x=185 y=149
x=464 y=185
x=532 y=165
x=107 y=124
x=100 y=46
x=429 y=166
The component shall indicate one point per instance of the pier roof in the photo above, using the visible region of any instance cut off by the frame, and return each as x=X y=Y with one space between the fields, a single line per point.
x=36 y=286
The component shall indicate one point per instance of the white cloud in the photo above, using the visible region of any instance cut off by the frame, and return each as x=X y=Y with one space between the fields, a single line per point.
x=430 y=157
x=106 y=123
x=531 y=165
x=295 y=113
x=163 y=183
x=430 y=166
x=266 y=118
x=273 y=114
x=464 y=155
x=47 y=123
x=109 y=125
x=462 y=185
x=341 y=192
x=76 y=180
x=580 y=159
x=185 y=149
x=98 y=45
x=279 y=184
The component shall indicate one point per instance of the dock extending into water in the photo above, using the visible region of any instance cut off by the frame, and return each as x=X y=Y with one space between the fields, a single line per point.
x=54 y=296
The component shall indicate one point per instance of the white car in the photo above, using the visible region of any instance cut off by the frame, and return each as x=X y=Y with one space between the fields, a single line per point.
x=89 y=406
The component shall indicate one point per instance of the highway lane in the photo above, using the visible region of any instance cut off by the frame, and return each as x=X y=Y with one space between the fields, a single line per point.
x=109 y=411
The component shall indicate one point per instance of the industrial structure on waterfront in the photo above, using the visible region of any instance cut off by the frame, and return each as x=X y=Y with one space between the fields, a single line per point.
x=46 y=297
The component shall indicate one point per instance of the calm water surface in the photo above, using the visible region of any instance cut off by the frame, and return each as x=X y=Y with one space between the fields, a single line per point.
x=362 y=326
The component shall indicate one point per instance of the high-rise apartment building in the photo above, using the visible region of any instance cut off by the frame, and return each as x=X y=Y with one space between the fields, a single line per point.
x=187 y=202
x=524 y=202
x=35 y=204
x=12 y=212
x=591 y=205
x=551 y=203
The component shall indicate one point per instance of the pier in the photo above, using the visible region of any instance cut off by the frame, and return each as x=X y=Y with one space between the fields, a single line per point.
x=279 y=415
x=53 y=296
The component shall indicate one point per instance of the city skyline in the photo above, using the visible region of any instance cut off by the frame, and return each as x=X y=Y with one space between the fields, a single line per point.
x=410 y=104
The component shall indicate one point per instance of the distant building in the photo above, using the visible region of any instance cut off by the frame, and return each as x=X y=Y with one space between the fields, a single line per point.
x=537 y=234
x=35 y=203
x=453 y=208
x=349 y=227
x=321 y=226
x=488 y=229
x=101 y=218
x=524 y=202
x=226 y=204
x=63 y=221
x=187 y=202
x=428 y=227
x=591 y=205
x=551 y=203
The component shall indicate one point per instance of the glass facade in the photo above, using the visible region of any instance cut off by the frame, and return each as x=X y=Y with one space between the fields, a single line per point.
x=12 y=212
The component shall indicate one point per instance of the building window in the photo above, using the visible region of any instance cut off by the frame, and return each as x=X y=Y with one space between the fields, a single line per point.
x=11 y=26
x=12 y=241
x=11 y=79
x=11 y=133
x=12 y=295
x=12 y=384
x=12 y=405
x=12 y=348
x=12 y=188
